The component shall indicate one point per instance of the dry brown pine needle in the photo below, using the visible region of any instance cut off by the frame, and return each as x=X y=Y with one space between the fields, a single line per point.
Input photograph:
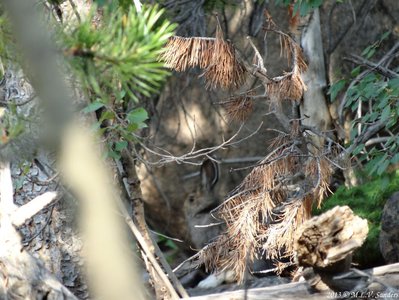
x=239 y=108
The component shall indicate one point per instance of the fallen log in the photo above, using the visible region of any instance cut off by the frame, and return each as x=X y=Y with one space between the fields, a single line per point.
x=296 y=290
x=326 y=242
x=324 y=247
x=380 y=282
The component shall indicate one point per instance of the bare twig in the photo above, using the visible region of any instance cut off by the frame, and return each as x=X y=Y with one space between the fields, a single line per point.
x=365 y=136
x=377 y=140
x=372 y=66
x=261 y=63
x=166 y=237
x=195 y=154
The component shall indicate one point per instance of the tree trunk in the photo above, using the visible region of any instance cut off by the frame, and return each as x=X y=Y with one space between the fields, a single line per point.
x=314 y=109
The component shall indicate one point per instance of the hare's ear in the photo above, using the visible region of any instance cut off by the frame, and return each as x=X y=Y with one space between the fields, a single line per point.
x=209 y=174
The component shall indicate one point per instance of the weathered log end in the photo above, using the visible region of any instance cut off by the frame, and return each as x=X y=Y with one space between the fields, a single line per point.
x=326 y=242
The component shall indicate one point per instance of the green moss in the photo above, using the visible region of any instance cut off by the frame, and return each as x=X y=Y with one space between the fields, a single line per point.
x=367 y=201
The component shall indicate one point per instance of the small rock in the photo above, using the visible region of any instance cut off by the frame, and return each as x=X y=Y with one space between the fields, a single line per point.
x=389 y=235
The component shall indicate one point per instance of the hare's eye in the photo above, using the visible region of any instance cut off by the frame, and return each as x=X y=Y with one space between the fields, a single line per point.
x=191 y=198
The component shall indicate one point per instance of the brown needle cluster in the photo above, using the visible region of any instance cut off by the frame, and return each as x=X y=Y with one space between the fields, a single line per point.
x=239 y=107
x=215 y=55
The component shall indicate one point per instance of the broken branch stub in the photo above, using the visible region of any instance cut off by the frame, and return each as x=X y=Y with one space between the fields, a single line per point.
x=327 y=241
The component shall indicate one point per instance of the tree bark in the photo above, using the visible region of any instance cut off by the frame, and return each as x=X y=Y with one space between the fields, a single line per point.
x=314 y=109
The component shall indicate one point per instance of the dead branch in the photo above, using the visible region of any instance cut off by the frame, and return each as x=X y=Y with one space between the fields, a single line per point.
x=298 y=290
x=382 y=281
x=196 y=154
x=261 y=64
x=372 y=66
x=372 y=130
x=27 y=211
x=149 y=246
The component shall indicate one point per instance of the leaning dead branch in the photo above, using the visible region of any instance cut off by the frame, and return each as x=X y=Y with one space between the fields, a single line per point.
x=149 y=247
x=372 y=66
x=27 y=211
x=224 y=67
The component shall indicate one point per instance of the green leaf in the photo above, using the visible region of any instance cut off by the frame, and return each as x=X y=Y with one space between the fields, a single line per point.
x=304 y=9
x=119 y=146
x=375 y=163
x=353 y=134
x=336 y=88
x=393 y=83
x=114 y=155
x=93 y=107
x=132 y=127
x=356 y=71
x=358 y=149
x=395 y=159
x=386 y=113
x=101 y=2
x=137 y=115
x=370 y=53
x=382 y=166
x=365 y=51
x=107 y=115
x=391 y=122
x=171 y=244
x=385 y=35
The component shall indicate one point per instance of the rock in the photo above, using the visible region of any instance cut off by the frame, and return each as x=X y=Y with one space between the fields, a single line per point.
x=389 y=236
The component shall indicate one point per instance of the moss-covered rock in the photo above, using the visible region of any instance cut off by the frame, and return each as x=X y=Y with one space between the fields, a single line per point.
x=367 y=201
